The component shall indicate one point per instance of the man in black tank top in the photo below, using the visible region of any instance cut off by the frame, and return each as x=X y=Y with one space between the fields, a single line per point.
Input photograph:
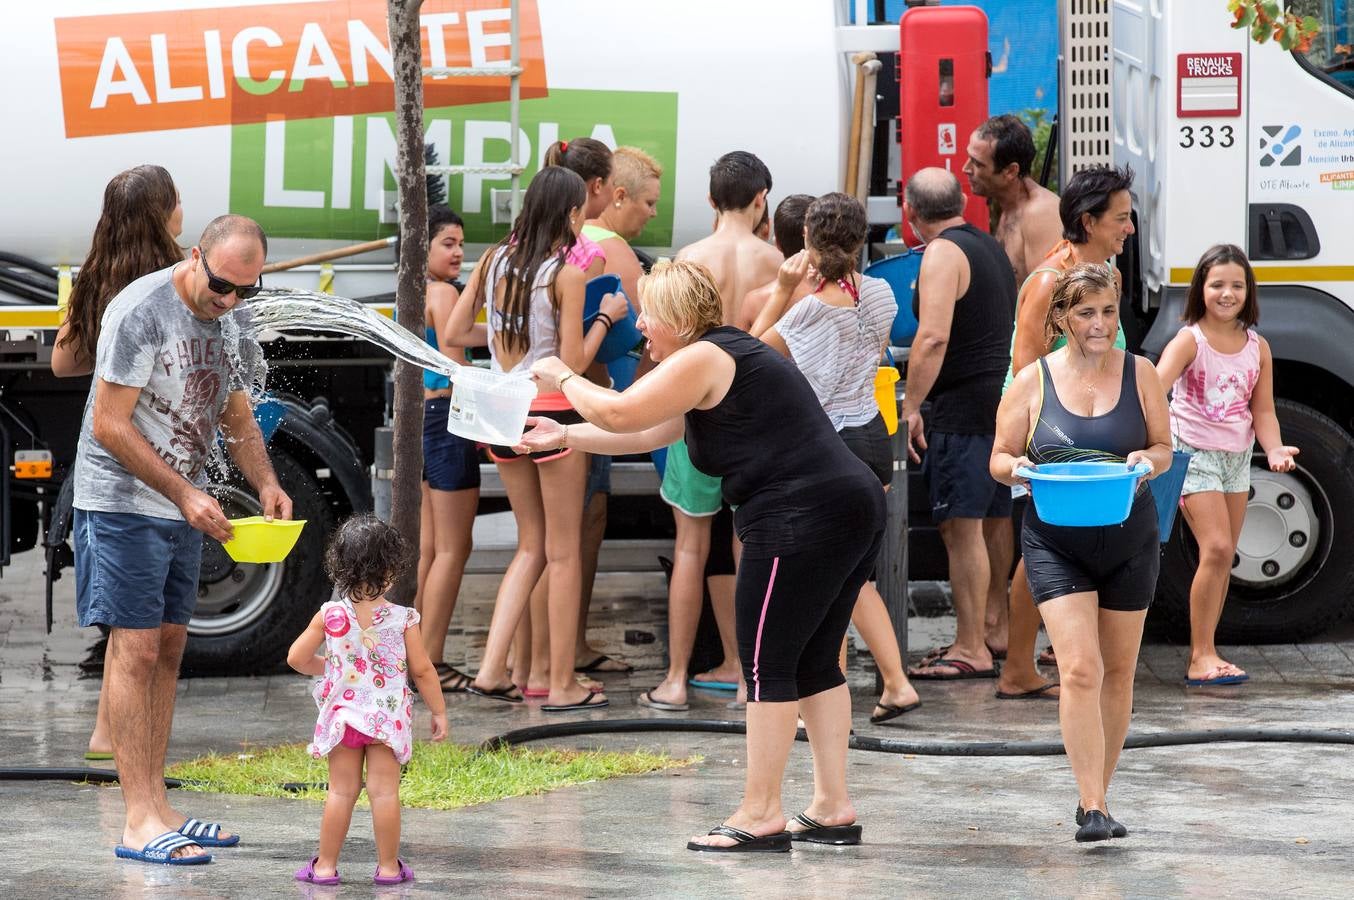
x=965 y=305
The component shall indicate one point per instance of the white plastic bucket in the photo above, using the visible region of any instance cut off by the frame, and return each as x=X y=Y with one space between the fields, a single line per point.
x=488 y=407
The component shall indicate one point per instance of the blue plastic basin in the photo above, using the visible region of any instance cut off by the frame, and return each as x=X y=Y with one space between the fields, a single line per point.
x=623 y=336
x=901 y=273
x=1083 y=494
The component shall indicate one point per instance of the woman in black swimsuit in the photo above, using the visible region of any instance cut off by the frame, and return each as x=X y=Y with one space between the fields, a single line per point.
x=1089 y=401
x=809 y=513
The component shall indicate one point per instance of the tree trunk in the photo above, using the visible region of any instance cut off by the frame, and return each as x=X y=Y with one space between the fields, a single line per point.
x=407 y=55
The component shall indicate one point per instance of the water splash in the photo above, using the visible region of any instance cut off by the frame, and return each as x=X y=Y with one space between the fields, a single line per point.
x=289 y=310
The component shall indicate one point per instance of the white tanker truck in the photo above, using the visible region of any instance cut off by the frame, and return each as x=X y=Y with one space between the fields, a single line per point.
x=281 y=110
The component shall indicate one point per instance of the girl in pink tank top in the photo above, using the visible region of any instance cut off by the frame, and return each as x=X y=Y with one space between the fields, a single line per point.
x=1222 y=402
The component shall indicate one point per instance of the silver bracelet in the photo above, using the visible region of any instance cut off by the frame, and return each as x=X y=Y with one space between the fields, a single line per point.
x=563 y=436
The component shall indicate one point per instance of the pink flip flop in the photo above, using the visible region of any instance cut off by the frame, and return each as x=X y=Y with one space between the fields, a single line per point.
x=406 y=874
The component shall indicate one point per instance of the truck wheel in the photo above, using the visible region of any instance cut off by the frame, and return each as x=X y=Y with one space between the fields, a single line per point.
x=248 y=614
x=1289 y=579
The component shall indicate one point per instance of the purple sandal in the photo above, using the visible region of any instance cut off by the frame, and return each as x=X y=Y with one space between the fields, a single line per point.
x=307 y=873
x=406 y=874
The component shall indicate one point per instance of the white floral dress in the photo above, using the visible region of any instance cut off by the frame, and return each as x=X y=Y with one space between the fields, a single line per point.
x=365 y=685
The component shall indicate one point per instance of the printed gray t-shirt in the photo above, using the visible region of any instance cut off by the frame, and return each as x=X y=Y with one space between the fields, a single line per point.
x=150 y=340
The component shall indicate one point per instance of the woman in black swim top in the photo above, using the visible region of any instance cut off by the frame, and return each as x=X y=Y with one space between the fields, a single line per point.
x=1091 y=402
x=809 y=513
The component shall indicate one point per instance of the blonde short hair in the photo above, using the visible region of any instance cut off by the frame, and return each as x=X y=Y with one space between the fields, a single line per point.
x=631 y=167
x=682 y=295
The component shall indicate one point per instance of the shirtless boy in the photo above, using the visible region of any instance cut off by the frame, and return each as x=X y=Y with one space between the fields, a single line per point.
x=788 y=228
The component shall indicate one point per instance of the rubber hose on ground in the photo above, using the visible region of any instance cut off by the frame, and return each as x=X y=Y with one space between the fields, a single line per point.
x=929 y=748
x=857 y=742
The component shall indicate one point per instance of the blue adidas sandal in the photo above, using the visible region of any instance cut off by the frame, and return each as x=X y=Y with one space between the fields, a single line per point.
x=160 y=850
x=206 y=834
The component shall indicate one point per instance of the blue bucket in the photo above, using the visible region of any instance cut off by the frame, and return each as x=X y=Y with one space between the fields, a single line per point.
x=623 y=335
x=901 y=273
x=622 y=370
x=1166 y=492
x=1083 y=494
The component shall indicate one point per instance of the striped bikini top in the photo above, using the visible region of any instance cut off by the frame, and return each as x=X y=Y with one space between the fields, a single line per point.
x=1059 y=436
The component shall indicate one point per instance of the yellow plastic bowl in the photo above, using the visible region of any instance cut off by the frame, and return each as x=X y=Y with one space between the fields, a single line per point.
x=885 y=377
x=259 y=541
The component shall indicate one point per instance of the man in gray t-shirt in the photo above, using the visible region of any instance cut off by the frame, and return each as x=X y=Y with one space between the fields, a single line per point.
x=165 y=380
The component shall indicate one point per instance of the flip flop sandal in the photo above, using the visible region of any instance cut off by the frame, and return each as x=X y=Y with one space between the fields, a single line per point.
x=747 y=842
x=818 y=833
x=534 y=694
x=98 y=755
x=307 y=873
x=646 y=699
x=452 y=679
x=1211 y=678
x=963 y=671
x=160 y=850
x=891 y=712
x=592 y=701
x=406 y=874
x=1039 y=693
x=207 y=834
x=714 y=685
x=1047 y=658
x=508 y=694
x=597 y=666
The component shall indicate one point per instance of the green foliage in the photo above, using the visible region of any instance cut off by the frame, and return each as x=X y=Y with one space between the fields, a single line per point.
x=1265 y=19
x=440 y=776
x=1042 y=128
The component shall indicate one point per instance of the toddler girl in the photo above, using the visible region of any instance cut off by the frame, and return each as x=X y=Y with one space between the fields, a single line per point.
x=366 y=711
x=1222 y=401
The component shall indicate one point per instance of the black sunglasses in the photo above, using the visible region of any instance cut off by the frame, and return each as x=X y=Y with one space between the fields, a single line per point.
x=223 y=287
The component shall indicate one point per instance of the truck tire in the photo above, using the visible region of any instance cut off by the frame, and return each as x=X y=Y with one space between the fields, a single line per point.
x=248 y=615
x=1290 y=579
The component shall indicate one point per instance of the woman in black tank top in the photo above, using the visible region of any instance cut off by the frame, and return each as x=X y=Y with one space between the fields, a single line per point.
x=809 y=513
x=1089 y=402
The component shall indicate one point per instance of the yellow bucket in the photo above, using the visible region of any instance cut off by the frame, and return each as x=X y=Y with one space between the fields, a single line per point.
x=885 y=377
x=260 y=541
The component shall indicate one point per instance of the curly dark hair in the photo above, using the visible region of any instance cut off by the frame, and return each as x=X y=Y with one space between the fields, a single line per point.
x=364 y=556
x=837 y=225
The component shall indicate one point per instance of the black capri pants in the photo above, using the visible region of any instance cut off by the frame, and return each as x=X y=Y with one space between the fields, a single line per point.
x=792 y=612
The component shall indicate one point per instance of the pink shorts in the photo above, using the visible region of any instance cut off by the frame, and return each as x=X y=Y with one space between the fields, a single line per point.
x=355 y=739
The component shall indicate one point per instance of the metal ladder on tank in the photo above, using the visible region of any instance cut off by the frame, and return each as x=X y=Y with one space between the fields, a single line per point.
x=513 y=70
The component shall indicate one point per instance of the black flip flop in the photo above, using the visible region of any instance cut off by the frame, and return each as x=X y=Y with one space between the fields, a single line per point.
x=509 y=694
x=818 y=833
x=452 y=679
x=594 y=667
x=891 y=712
x=962 y=672
x=589 y=702
x=1039 y=693
x=747 y=842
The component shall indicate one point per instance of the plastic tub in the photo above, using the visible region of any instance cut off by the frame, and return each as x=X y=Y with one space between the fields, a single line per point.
x=259 y=541
x=901 y=273
x=624 y=335
x=488 y=407
x=1166 y=492
x=885 y=377
x=1083 y=494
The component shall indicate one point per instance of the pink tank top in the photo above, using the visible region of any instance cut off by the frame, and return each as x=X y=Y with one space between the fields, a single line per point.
x=584 y=251
x=1211 y=402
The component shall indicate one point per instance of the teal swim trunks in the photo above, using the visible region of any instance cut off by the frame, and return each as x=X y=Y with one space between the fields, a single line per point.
x=686 y=487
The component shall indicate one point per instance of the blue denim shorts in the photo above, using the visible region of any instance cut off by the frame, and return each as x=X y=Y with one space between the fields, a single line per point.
x=450 y=462
x=134 y=571
x=599 y=478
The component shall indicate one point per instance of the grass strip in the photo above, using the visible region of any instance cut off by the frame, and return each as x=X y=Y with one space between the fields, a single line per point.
x=440 y=776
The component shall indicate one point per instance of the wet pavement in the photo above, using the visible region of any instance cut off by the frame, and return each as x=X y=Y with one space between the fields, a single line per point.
x=1217 y=820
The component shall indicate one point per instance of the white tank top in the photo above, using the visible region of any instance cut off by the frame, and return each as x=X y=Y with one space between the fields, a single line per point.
x=541 y=331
